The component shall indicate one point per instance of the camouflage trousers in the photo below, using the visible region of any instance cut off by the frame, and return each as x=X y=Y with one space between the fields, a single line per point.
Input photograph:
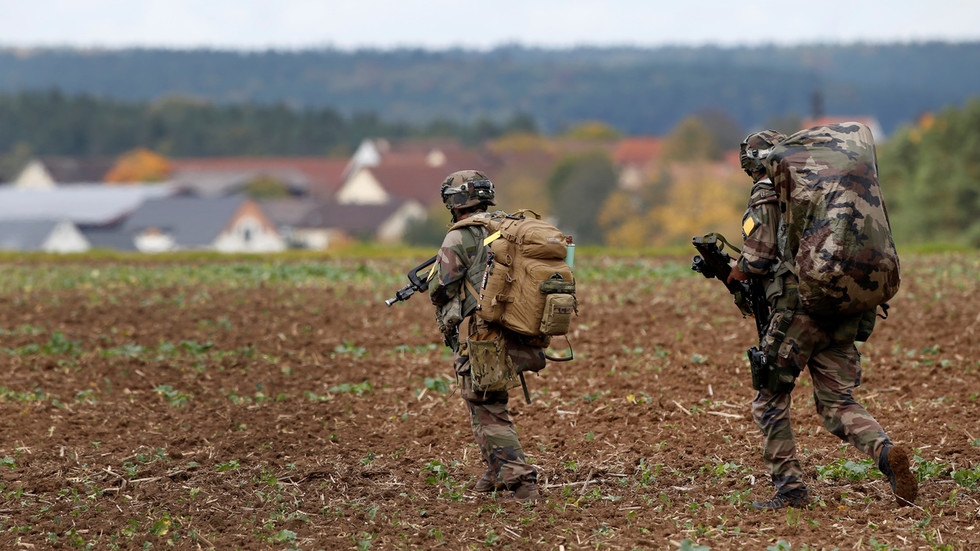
x=826 y=348
x=496 y=435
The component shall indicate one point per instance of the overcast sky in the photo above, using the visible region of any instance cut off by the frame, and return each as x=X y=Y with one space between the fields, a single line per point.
x=477 y=24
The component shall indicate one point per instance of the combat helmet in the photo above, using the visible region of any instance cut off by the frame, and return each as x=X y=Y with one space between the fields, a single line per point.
x=755 y=148
x=466 y=188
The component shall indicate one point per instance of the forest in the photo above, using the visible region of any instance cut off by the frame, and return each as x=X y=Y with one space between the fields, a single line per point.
x=636 y=90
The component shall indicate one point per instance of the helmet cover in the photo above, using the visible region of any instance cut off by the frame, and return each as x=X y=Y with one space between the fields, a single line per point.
x=466 y=188
x=755 y=148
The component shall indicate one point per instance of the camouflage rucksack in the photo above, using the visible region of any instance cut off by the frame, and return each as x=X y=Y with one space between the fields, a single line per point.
x=835 y=232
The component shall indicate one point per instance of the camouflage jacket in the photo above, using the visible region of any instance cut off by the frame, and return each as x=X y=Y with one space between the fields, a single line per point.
x=760 y=224
x=461 y=258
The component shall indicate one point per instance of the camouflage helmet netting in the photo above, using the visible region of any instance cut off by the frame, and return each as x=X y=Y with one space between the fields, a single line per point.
x=466 y=188
x=755 y=148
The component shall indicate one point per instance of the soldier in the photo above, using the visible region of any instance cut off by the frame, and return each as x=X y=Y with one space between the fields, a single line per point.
x=460 y=265
x=825 y=346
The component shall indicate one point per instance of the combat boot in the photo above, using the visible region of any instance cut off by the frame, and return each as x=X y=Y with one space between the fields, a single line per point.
x=894 y=463
x=488 y=483
x=796 y=497
x=527 y=491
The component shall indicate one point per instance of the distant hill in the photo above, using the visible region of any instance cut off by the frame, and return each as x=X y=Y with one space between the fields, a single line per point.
x=639 y=91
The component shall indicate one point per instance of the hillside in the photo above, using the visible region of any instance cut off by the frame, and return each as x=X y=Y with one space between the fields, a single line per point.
x=639 y=91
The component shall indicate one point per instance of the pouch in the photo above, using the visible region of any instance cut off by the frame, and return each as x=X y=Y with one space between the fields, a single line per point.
x=491 y=368
x=557 y=316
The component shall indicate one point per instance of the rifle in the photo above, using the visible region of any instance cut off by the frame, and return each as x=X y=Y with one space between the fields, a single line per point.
x=713 y=262
x=416 y=283
x=750 y=297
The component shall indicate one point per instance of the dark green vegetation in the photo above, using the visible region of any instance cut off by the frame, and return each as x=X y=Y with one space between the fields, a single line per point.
x=932 y=170
x=639 y=91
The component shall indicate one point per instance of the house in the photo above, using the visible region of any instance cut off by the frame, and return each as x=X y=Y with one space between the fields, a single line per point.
x=288 y=215
x=633 y=156
x=51 y=236
x=234 y=224
x=333 y=223
x=391 y=180
x=446 y=153
x=318 y=177
x=46 y=172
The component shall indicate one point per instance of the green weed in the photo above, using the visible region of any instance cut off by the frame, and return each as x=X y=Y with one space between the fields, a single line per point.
x=174 y=397
x=358 y=389
x=843 y=469
x=968 y=478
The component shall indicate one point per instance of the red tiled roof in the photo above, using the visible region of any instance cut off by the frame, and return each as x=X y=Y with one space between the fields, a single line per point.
x=407 y=179
x=638 y=150
x=324 y=174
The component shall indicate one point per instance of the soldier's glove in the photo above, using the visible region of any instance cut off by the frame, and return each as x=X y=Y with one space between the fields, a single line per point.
x=737 y=275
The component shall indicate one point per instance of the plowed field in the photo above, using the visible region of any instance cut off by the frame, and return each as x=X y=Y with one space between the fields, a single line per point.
x=256 y=404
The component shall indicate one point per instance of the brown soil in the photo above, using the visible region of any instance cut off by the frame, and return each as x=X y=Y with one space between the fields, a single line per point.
x=246 y=421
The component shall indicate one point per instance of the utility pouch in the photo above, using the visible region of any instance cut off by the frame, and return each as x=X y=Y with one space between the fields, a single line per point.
x=558 y=310
x=781 y=380
x=491 y=368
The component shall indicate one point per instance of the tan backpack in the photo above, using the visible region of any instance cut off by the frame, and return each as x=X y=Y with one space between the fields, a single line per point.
x=527 y=287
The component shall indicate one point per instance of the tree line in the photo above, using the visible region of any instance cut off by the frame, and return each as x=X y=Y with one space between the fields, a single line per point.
x=54 y=123
x=636 y=90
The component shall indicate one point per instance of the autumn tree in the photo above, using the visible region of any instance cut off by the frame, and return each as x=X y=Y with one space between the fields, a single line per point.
x=593 y=131
x=930 y=177
x=682 y=200
x=691 y=140
x=139 y=165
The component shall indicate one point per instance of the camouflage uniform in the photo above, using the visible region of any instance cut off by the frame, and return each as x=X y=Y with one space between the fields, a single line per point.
x=825 y=346
x=461 y=257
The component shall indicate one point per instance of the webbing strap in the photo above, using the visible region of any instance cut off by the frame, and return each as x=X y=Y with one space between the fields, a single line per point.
x=721 y=239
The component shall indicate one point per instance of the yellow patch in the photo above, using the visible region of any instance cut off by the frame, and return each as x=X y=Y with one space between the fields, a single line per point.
x=748 y=225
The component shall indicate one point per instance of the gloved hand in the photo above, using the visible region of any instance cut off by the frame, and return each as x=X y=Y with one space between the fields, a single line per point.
x=737 y=275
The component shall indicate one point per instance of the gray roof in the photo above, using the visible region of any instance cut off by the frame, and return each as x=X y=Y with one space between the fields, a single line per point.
x=83 y=204
x=288 y=211
x=109 y=238
x=25 y=235
x=354 y=219
x=191 y=221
